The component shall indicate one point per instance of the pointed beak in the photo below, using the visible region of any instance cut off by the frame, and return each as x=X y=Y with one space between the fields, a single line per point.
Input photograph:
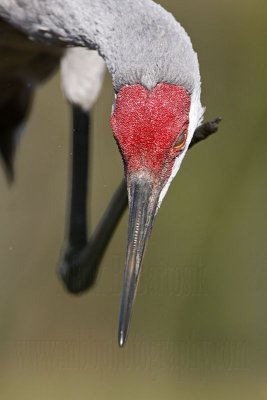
x=143 y=196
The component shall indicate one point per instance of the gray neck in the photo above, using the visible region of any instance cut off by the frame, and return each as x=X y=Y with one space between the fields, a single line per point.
x=139 y=40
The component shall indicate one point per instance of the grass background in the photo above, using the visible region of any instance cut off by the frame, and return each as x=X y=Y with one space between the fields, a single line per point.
x=199 y=329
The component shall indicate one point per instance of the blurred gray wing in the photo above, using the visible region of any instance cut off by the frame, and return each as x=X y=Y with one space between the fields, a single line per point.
x=23 y=65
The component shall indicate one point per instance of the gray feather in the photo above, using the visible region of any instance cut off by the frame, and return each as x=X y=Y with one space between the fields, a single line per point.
x=139 y=40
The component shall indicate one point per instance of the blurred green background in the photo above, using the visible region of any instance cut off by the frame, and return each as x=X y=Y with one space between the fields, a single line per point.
x=199 y=329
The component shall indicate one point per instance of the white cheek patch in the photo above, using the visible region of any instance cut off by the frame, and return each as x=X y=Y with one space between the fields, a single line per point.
x=195 y=118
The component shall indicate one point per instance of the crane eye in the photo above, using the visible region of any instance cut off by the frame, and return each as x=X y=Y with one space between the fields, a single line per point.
x=180 y=142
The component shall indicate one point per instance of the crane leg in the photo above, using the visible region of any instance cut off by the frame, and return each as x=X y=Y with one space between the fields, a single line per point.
x=82 y=257
x=77 y=232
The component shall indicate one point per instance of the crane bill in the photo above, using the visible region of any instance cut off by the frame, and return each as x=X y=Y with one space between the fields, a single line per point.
x=143 y=201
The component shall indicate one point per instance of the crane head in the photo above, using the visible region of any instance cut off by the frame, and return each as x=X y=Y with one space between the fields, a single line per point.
x=151 y=129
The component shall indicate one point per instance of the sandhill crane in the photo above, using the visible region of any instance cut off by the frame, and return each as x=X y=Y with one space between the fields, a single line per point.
x=155 y=114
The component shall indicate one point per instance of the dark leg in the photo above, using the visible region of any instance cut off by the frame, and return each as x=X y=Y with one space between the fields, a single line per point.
x=77 y=229
x=79 y=268
x=81 y=260
x=80 y=151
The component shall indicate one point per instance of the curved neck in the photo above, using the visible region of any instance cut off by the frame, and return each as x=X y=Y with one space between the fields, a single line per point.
x=139 y=40
x=65 y=22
